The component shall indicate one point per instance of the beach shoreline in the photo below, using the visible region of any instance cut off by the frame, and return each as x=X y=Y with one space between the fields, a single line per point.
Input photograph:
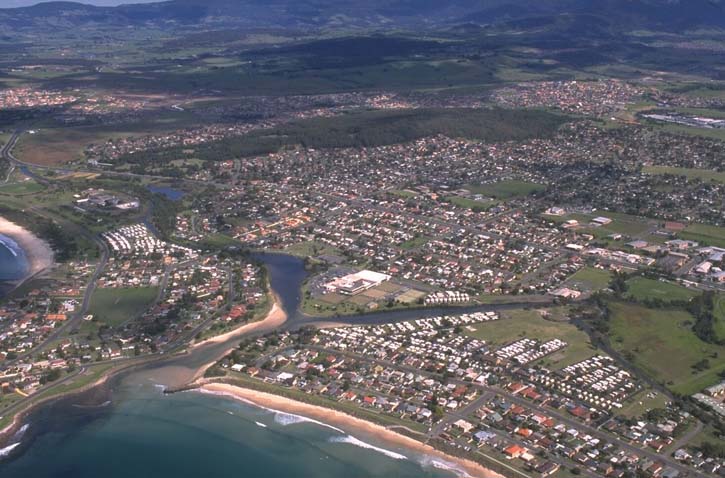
x=346 y=422
x=37 y=252
x=274 y=318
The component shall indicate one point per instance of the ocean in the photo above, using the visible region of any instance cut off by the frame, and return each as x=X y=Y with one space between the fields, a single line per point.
x=13 y=262
x=145 y=433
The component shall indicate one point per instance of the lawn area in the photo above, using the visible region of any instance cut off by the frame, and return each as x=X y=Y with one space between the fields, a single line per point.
x=625 y=224
x=705 y=234
x=713 y=133
x=404 y=193
x=219 y=241
x=506 y=189
x=719 y=313
x=621 y=224
x=517 y=324
x=661 y=343
x=415 y=242
x=704 y=174
x=472 y=204
x=116 y=306
x=642 y=288
x=590 y=278
x=24 y=187
x=642 y=402
x=311 y=249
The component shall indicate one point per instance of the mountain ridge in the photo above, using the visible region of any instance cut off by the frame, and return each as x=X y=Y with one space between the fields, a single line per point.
x=667 y=15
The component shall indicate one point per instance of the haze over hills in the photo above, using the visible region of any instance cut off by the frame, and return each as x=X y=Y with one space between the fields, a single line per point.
x=98 y=3
x=608 y=15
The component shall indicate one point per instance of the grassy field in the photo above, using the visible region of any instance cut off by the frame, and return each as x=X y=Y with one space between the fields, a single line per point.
x=415 y=242
x=662 y=344
x=625 y=224
x=704 y=174
x=59 y=145
x=590 y=278
x=720 y=316
x=472 y=204
x=116 y=306
x=641 y=288
x=517 y=324
x=311 y=249
x=404 y=193
x=24 y=187
x=506 y=189
x=642 y=402
x=714 y=133
x=705 y=234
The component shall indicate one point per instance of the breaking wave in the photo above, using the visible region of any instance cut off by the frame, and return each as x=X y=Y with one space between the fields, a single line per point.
x=10 y=245
x=8 y=449
x=284 y=419
x=440 y=464
x=280 y=417
x=351 y=440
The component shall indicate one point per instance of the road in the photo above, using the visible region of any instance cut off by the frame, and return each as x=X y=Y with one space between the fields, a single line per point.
x=28 y=167
x=74 y=319
x=569 y=421
x=486 y=391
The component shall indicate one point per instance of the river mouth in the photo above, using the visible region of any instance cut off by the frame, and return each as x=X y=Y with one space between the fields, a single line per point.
x=132 y=407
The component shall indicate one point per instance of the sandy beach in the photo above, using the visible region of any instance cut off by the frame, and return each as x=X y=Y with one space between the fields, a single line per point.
x=346 y=422
x=274 y=318
x=38 y=252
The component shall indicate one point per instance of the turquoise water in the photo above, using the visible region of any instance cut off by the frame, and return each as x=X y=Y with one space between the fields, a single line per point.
x=148 y=434
x=144 y=433
x=13 y=262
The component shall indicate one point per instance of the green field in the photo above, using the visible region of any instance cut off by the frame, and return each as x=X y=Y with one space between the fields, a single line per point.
x=404 y=193
x=719 y=313
x=116 y=306
x=705 y=234
x=704 y=174
x=712 y=133
x=642 y=402
x=662 y=344
x=633 y=226
x=641 y=288
x=517 y=324
x=472 y=204
x=311 y=249
x=506 y=189
x=590 y=278
x=415 y=243
x=25 y=187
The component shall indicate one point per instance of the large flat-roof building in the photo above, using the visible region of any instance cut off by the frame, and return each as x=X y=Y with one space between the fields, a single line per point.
x=357 y=282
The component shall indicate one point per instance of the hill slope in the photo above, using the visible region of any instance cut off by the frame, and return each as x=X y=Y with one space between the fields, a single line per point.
x=670 y=15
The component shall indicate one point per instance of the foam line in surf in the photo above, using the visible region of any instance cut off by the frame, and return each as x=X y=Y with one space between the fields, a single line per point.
x=441 y=464
x=280 y=417
x=351 y=440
